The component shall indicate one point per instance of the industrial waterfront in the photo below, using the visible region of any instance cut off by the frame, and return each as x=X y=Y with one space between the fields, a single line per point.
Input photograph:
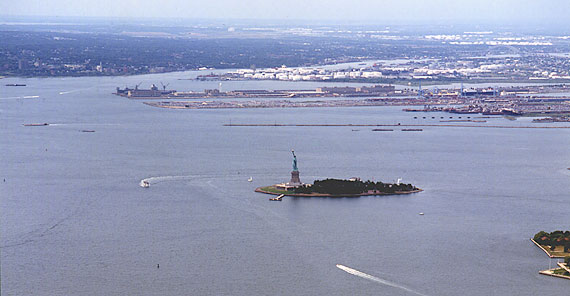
x=531 y=100
x=75 y=219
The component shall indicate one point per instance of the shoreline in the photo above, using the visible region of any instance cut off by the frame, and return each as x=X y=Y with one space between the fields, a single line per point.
x=390 y=125
x=550 y=272
x=400 y=82
x=545 y=251
x=258 y=189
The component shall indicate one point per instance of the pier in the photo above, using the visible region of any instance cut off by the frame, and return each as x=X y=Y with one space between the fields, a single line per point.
x=550 y=272
x=278 y=198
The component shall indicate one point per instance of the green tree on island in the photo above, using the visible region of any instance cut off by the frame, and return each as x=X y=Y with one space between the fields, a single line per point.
x=353 y=187
x=554 y=239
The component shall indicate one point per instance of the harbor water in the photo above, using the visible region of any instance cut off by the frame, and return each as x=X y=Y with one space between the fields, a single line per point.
x=75 y=220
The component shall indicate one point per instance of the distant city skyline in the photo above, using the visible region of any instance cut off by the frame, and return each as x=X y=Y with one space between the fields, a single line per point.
x=467 y=11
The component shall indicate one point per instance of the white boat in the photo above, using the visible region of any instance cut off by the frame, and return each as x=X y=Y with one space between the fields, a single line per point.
x=144 y=184
x=250 y=179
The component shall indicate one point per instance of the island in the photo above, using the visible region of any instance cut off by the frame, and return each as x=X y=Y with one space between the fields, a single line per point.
x=352 y=187
x=340 y=188
x=556 y=245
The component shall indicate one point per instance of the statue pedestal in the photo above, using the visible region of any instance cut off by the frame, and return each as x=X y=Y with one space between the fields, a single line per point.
x=294 y=183
x=295 y=178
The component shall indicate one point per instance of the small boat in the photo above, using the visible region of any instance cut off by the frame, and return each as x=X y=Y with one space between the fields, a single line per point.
x=421 y=214
x=144 y=184
x=250 y=179
x=87 y=131
x=36 y=124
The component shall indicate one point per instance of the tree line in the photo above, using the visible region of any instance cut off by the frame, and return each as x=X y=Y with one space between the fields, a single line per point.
x=553 y=239
x=347 y=187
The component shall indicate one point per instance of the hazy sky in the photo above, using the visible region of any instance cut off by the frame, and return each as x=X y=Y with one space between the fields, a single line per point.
x=367 y=10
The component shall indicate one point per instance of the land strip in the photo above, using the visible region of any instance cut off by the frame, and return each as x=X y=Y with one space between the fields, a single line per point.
x=391 y=125
x=551 y=272
x=273 y=191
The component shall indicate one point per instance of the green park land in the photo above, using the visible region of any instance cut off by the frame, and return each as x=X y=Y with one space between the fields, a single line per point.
x=342 y=188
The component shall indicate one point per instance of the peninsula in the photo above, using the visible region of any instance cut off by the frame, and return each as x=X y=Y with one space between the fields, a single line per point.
x=556 y=245
x=353 y=187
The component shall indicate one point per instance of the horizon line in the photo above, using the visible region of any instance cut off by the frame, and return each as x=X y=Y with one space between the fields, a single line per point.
x=363 y=21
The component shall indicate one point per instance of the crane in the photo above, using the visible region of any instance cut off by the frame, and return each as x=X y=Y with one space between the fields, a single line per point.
x=164 y=86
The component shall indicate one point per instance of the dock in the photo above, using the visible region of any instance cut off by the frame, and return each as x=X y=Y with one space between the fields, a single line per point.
x=564 y=266
x=278 y=198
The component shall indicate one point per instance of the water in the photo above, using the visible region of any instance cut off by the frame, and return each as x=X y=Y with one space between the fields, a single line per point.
x=76 y=222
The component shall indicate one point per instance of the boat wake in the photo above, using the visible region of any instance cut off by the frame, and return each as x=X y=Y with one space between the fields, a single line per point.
x=67 y=92
x=375 y=279
x=85 y=124
x=71 y=91
x=21 y=97
x=160 y=179
x=146 y=182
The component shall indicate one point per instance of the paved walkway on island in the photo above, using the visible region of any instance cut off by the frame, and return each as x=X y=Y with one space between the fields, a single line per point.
x=564 y=266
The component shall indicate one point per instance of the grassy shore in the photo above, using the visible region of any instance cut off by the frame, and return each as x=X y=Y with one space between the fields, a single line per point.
x=271 y=189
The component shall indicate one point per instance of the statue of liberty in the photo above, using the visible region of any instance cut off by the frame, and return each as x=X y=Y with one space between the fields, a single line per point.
x=295 y=181
x=294 y=161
